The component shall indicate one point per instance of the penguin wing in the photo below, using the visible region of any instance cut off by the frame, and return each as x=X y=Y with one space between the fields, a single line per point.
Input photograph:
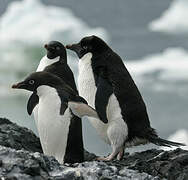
x=77 y=104
x=104 y=91
x=78 y=98
x=63 y=107
x=133 y=108
x=81 y=109
x=67 y=94
x=32 y=102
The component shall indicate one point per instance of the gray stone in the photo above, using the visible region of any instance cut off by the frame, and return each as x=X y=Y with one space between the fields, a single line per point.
x=14 y=136
x=21 y=158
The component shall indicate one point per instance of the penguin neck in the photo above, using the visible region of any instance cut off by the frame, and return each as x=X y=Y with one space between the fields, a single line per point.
x=45 y=61
x=45 y=90
x=86 y=59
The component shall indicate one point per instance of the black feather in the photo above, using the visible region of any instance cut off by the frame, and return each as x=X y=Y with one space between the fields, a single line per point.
x=155 y=139
x=32 y=102
x=104 y=91
x=162 y=142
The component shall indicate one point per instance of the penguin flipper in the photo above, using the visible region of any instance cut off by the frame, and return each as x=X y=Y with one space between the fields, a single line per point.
x=79 y=99
x=104 y=91
x=63 y=107
x=32 y=102
x=82 y=109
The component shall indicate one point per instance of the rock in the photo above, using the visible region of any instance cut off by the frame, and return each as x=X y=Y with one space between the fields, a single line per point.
x=171 y=165
x=21 y=164
x=21 y=159
x=14 y=136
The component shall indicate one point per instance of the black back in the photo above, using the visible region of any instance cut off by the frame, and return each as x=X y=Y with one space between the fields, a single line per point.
x=62 y=70
x=109 y=66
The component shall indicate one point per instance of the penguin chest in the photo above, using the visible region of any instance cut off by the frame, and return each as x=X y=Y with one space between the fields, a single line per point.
x=87 y=89
x=53 y=128
x=86 y=82
x=44 y=62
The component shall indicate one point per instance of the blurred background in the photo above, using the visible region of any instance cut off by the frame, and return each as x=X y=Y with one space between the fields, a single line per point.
x=151 y=37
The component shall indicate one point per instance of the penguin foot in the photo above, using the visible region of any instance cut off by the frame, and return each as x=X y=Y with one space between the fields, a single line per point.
x=120 y=155
x=103 y=158
x=108 y=158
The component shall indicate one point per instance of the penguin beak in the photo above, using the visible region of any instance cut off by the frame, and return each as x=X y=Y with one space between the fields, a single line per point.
x=20 y=85
x=46 y=46
x=49 y=48
x=77 y=49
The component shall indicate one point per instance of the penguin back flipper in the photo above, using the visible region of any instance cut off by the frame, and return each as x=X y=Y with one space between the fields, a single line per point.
x=81 y=109
x=32 y=102
x=104 y=91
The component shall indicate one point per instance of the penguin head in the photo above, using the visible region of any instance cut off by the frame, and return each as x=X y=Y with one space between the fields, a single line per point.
x=92 y=44
x=34 y=80
x=55 y=49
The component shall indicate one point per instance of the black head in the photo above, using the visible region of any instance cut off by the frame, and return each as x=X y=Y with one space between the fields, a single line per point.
x=55 y=49
x=92 y=44
x=34 y=80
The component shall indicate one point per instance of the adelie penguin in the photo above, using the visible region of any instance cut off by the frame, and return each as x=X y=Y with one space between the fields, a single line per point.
x=55 y=62
x=58 y=103
x=107 y=85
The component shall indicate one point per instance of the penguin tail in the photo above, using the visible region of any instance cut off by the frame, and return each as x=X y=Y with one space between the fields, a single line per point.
x=155 y=139
x=162 y=142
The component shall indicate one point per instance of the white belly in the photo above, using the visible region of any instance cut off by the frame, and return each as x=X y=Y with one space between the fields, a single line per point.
x=44 y=62
x=87 y=90
x=53 y=128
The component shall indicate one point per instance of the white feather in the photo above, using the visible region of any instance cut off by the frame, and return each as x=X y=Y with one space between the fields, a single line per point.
x=53 y=128
x=115 y=131
x=80 y=109
x=44 y=62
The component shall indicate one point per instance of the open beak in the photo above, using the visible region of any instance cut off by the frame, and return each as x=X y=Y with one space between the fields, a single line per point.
x=20 y=85
x=76 y=48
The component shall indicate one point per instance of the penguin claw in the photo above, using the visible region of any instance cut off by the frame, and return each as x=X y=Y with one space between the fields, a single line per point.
x=120 y=155
x=108 y=158
x=103 y=158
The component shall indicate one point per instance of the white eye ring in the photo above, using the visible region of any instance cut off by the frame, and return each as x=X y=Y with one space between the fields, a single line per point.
x=31 y=82
x=57 y=48
x=84 y=47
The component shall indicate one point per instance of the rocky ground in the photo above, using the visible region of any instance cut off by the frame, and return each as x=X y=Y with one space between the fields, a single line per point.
x=21 y=158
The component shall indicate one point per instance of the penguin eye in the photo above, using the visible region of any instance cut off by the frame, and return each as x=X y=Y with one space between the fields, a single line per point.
x=31 y=82
x=57 y=48
x=53 y=48
x=84 y=47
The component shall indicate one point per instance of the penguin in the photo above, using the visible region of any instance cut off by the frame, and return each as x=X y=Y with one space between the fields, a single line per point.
x=106 y=84
x=55 y=62
x=58 y=103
